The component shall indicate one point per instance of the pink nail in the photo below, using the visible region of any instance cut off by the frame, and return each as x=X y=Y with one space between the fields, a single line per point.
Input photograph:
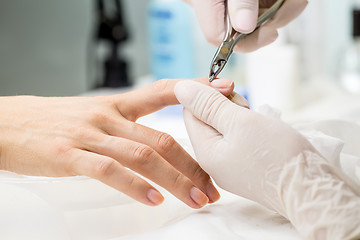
x=154 y=196
x=198 y=196
x=222 y=83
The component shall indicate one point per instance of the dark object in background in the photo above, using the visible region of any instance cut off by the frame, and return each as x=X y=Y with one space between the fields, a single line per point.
x=356 y=23
x=111 y=29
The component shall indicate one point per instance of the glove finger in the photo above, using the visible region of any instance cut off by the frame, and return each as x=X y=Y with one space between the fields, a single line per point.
x=207 y=104
x=267 y=33
x=288 y=11
x=260 y=38
x=211 y=16
x=203 y=138
x=243 y=14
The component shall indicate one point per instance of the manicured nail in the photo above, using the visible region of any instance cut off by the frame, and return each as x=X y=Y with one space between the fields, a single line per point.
x=212 y=193
x=222 y=83
x=198 y=196
x=154 y=196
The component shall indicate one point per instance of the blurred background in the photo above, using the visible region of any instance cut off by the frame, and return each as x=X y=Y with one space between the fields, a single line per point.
x=62 y=48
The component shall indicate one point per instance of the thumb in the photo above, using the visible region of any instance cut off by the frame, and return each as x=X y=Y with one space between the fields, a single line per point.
x=207 y=104
x=243 y=14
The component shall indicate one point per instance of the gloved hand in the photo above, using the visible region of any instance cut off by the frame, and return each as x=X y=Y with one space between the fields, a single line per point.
x=267 y=161
x=243 y=16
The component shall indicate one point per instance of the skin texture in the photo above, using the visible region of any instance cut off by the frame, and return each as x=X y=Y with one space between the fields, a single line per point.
x=243 y=17
x=98 y=137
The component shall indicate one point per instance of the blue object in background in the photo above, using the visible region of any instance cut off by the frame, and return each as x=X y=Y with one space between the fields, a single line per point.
x=171 y=40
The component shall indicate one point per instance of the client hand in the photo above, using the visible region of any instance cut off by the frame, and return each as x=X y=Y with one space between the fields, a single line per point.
x=98 y=137
x=265 y=160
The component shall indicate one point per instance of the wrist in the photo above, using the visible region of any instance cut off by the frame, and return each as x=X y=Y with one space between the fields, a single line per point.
x=2 y=133
x=5 y=120
x=315 y=196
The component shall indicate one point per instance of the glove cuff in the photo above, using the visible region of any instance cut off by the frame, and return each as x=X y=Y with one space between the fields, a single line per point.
x=317 y=198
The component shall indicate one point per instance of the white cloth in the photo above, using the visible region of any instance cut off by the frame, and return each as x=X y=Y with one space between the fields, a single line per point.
x=237 y=218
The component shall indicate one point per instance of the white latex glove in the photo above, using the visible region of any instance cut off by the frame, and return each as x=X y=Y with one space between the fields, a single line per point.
x=265 y=160
x=243 y=16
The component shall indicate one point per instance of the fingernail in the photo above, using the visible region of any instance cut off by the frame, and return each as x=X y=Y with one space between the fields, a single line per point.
x=222 y=83
x=212 y=193
x=154 y=196
x=245 y=21
x=198 y=197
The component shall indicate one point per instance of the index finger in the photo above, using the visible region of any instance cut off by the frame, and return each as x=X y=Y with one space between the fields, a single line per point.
x=158 y=95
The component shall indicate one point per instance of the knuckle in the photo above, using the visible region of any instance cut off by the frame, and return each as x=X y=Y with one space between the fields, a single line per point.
x=179 y=180
x=111 y=100
x=247 y=4
x=62 y=146
x=99 y=117
x=162 y=88
x=63 y=157
x=142 y=154
x=165 y=141
x=103 y=168
x=161 y=85
x=130 y=186
x=199 y=173
x=210 y=109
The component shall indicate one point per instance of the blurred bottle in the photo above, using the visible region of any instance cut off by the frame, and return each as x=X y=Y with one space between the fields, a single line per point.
x=272 y=75
x=171 y=39
x=350 y=61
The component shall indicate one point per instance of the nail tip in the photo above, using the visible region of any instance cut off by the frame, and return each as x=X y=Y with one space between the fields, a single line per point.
x=198 y=197
x=155 y=197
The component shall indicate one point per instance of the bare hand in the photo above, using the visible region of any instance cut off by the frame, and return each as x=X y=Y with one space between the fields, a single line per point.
x=98 y=137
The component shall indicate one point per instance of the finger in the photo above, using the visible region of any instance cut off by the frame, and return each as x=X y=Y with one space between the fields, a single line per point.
x=243 y=14
x=147 y=162
x=239 y=100
x=207 y=104
x=224 y=86
x=260 y=38
x=169 y=150
x=288 y=11
x=112 y=173
x=233 y=96
x=211 y=17
x=156 y=96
